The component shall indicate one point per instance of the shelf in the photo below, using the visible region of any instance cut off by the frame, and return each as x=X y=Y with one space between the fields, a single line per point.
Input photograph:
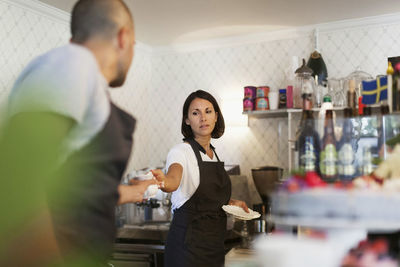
x=284 y=112
x=268 y=113
x=278 y=112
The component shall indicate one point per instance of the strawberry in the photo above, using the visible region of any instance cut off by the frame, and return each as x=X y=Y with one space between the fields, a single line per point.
x=313 y=180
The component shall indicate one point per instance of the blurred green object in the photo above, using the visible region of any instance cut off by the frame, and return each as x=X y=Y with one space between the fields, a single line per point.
x=393 y=141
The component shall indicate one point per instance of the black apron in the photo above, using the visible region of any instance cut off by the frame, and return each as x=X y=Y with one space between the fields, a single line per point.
x=197 y=232
x=83 y=204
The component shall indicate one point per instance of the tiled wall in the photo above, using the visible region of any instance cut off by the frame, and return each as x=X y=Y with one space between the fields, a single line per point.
x=26 y=32
x=224 y=72
x=159 y=82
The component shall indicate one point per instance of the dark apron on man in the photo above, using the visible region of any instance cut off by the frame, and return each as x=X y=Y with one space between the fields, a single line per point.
x=83 y=204
x=197 y=233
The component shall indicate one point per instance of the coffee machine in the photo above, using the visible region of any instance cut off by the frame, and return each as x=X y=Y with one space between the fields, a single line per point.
x=266 y=180
x=152 y=211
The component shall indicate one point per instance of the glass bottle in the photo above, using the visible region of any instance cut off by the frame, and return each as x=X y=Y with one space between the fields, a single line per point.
x=396 y=86
x=346 y=158
x=366 y=163
x=352 y=98
x=383 y=127
x=390 y=99
x=328 y=156
x=299 y=130
x=309 y=147
x=367 y=111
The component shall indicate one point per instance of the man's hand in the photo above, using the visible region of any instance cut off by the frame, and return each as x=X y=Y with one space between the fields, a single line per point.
x=134 y=191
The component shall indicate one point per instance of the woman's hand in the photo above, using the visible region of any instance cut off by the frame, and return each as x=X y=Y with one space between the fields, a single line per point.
x=160 y=177
x=239 y=203
x=171 y=180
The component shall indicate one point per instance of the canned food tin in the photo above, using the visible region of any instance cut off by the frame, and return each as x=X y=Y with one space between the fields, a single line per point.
x=262 y=91
x=248 y=104
x=250 y=92
x=262 y=103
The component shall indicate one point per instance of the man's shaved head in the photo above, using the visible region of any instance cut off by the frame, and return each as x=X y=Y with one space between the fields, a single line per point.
x=98 y=18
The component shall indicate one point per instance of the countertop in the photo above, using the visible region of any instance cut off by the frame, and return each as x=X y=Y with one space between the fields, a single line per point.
x=156 y=234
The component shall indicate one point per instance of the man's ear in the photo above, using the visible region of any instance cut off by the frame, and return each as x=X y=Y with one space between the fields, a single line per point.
x=123 y=37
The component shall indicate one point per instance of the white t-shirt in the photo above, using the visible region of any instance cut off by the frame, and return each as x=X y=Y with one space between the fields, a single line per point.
x=67 y=81
x=184 y=155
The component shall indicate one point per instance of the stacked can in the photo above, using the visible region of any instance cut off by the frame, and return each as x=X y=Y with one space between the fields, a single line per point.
x=249 y=98
x=262 y=102
x=256 y=98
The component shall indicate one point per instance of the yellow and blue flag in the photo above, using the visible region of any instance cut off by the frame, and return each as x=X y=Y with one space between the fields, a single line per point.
x=374 y=91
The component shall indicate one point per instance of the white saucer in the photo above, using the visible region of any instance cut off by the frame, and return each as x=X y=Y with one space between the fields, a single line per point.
x=239 y=213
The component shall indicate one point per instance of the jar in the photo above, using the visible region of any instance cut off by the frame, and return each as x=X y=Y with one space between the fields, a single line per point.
x=303 y=94
x=282 y=98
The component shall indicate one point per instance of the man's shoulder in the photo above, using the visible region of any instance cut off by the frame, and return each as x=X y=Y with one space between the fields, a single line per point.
x=68 y=56
x=62 y=66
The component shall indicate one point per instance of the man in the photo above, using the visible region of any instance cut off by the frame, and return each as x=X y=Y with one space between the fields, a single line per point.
x=73 y=142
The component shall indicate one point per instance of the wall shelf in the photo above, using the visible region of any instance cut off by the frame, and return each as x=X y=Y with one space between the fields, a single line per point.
x=285 y=112
x=279 y=112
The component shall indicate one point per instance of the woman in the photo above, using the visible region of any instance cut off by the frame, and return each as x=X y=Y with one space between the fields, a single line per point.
x=200 y=187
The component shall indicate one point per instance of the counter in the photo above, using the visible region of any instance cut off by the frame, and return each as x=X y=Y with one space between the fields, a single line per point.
x=144 y=245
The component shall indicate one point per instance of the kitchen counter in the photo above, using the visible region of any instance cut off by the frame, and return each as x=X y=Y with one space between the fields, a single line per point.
x=140 y=245
x=145 y=244
x=152 y=233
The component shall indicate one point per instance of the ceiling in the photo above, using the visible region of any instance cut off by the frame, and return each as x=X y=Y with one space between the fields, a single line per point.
x=168 y=22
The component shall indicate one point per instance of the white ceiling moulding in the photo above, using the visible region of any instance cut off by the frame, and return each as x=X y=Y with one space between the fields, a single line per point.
x=290 y=33
x=41 y=9
x=57 y=15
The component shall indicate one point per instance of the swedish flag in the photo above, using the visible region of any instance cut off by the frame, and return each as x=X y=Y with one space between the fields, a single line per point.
x=374 y=91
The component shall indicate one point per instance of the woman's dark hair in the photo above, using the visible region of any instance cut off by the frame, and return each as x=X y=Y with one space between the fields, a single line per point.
x=219 y=125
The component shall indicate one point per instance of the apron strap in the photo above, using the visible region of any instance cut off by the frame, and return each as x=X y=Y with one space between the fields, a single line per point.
x=196 y=150
x=215 y=153
x=194 y=144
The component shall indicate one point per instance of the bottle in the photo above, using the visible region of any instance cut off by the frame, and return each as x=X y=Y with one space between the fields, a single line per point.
x=289 y=96
x=396 y=86
x=309 y=146
x=390 y=98
x=290 y=81
x=282 y=98
x=326 y=104
x=366 y=167
x=352 y=98
x=328 y=156
x=367 y=111
x=346 y=153
x=299 y=130
x=318 y=92
x=383 y=128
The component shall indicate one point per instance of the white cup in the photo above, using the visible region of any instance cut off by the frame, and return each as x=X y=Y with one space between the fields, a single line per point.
x=273 y=98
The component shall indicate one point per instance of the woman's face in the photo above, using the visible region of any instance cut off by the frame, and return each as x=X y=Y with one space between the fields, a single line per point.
x=201 y=117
